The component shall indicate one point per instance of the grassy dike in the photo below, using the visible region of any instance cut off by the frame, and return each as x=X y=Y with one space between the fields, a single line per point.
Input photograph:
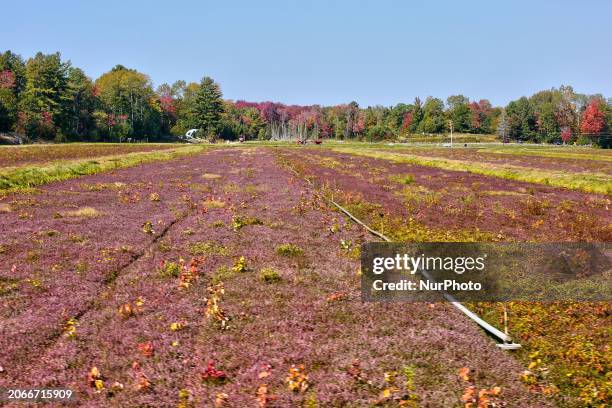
x=590 y=183
x=574 y=153
x=29 y=176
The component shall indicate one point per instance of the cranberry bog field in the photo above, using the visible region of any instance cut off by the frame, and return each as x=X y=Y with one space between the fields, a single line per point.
x=24 y=167
x=221 y=276
x=415 y=194
x=45 y=153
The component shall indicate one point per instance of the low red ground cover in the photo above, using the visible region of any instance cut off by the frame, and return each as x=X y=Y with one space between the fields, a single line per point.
x=238 y=322
x=565 y=344
x=446 y=200
x=34 y=154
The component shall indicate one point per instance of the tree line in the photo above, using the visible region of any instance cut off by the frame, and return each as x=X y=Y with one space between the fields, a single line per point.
x=46 y=98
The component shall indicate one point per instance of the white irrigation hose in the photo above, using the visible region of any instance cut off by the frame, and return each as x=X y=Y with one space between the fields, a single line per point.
x=351 y=216
x=488 y=327
x=507 y=345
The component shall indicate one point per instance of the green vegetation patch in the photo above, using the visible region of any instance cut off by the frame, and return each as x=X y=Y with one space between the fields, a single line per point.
x=241 y=221
x=402 y=178
x=289 y=250
x=170 y=270
x=420 y=194
x=207 y=248
x=269 y=275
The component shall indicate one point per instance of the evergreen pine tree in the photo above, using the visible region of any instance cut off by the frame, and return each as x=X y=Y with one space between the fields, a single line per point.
x=208 y=107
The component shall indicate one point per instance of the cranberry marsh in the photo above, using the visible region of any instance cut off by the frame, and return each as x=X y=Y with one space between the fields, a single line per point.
x=219 y=275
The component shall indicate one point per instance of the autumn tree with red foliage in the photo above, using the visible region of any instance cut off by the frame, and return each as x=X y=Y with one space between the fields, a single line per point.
x=566 y=134
x=407 y=121
x=480 y=116
x=593 y=118
x=7 y=79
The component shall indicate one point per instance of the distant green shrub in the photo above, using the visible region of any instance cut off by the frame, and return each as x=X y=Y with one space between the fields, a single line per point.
x=583 y=140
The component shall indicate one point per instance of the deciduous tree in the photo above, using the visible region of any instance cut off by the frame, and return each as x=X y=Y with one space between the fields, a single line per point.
x=44 y=103
x=127 y=92
x=593 y=118
x=433 y=116
x=521 y=119
x=459 y=112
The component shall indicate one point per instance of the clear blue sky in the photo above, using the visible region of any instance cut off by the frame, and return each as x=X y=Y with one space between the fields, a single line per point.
x=328 y=52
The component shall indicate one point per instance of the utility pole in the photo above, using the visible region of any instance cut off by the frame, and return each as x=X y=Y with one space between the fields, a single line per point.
x=450 y=122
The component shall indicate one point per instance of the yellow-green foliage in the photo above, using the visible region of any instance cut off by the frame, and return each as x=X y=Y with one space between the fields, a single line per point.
x=565 y=152
x=269 y=275
x=419 y=194
x=238 y=222
x=402 y=178
x=207 y=248
x=240 y=265
x=565 y=347
x=170 y=270
x=289 y=250
x=408 y=230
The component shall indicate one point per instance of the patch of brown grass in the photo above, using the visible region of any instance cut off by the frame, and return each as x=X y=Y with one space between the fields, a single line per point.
x=211 y=176
x=501 y=193
x=83 y=212
x=212 y=203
